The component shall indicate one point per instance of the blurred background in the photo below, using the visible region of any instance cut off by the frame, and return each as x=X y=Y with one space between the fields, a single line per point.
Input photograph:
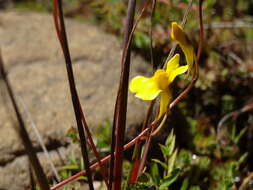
x=214 y=124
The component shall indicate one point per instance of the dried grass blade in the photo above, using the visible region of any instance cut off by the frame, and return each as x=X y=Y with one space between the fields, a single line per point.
x=23 y=134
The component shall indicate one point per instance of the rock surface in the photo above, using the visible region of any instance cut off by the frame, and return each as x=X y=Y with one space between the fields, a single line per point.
x=37 y=73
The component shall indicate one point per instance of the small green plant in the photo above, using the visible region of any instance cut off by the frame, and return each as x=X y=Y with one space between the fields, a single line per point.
x=170 y=173
x=154 y=178
x=74 y=166
x=102 y=134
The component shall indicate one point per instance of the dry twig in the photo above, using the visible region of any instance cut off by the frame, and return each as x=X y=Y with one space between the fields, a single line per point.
x=23 y=134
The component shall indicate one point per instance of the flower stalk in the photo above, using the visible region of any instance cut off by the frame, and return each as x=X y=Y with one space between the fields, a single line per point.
x=119 y=123
x=61 y=32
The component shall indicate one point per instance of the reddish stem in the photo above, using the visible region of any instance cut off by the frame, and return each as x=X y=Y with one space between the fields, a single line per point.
x=91 y=142
x=119 y=123
x=93 y=147
x=61 y=33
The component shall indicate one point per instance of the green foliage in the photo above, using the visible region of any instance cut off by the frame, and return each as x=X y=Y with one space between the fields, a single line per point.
x=156 y=179
x=74 y=165
x=140 y=186
x=30 y=5
x=73 y=135
x=109 y=12
x=184 y=170
x=228 y=103
x=103 y=135
x=141 y=40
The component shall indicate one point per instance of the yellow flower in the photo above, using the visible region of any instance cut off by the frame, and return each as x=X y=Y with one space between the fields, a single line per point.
x=149 y=88
x=181 y=38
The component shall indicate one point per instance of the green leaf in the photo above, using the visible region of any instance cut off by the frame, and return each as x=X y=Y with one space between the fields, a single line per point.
x=239 y=136
x=242 y=158
x=65 y=174
x=82 y=178
x=140 y=186
x=185 y=184
x=144 y=178
x=169 y=138
x=161 y=163
x=70 y=167
x=171 y=161
x=167 y=181
x=81 y=164
x=195 y=188
x=233 y=133
x=170 y=142
x=72 y=158
x=165 y=150
x=155 y=174
x=172 y=145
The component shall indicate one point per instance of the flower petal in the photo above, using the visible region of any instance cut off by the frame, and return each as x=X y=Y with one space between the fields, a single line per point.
x=161 y=79
x=145 y=88
x=189 y=55
x=165 y=99
x=172 y=64
x=178 y=71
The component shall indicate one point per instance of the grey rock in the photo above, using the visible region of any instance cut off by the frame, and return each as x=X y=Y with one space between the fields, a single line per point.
x=36 y=70
x=16 y=175
x=19 y=177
